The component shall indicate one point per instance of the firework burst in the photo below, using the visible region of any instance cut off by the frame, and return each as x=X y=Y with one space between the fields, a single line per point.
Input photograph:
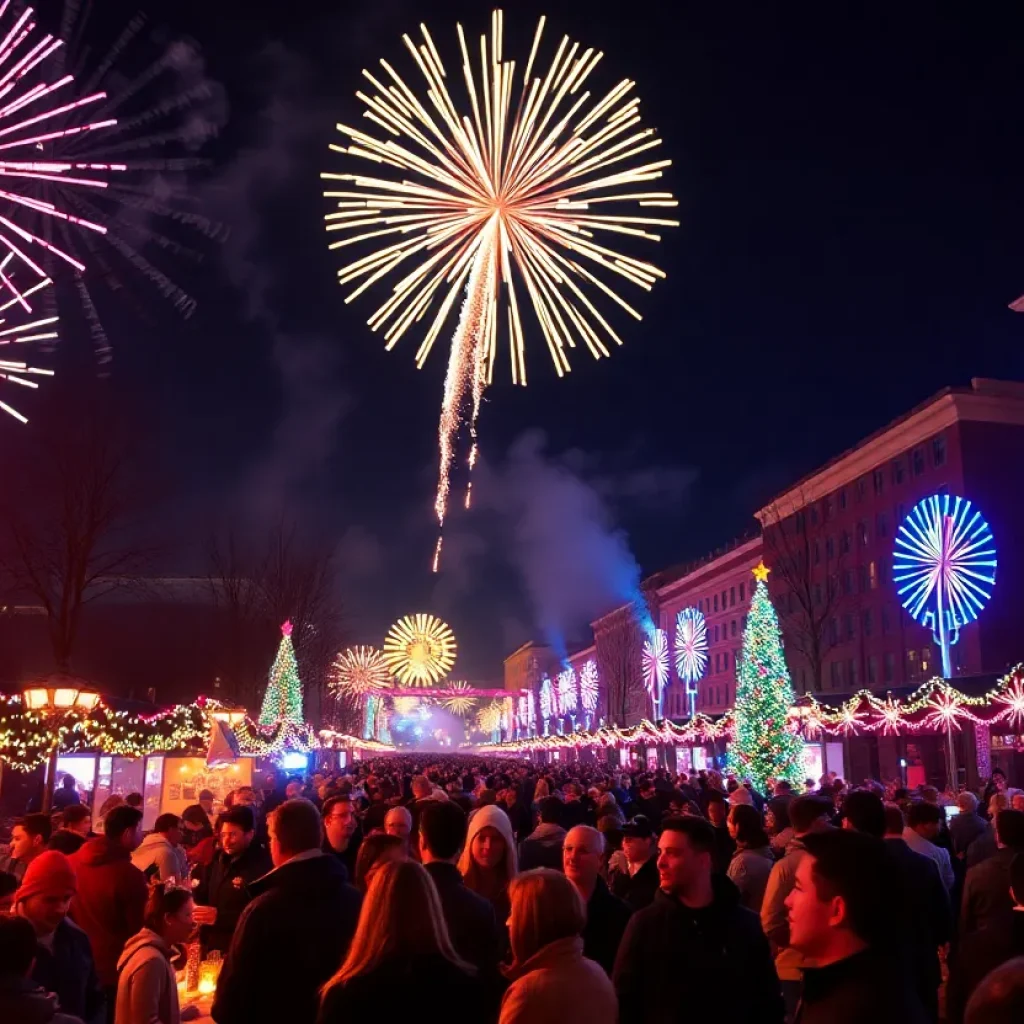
x=358 y=672
x=458 y=703
x=21 y=323
x=419 y=650
x=505 y=193
x=589 y=685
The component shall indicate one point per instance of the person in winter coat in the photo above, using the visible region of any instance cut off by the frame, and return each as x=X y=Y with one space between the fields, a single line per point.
x=63 y=957
x=986 y=899
x=695 y=920
x=161 y=853
x=488 y=862
x=75 y=829
x=633 y=877
x=111 y=897
x=146 y=989
x=841 y=921
x=607 y=915
x=543 y=847
x=552 y=981
x=223 y=891
x=303 y=913
x=752 y=862
x=401 y=958
x=776 y=824
x=967 y=826
x=22 y=1001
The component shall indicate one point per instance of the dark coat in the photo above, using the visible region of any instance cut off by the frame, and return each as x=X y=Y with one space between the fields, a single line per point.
x=986 y=901
x=347 y=857
x=964 y=829
x=979 y=953
x=607 y=917
x=637 y=890
x=428 y=987
x=725 y=847
x=23 y=1002
x=866 y=987
x=225 y=885
x=65 y=841
x=721 y=947
x=470 y=919
x=289 y=941
x=69 y=971
x=544 y=851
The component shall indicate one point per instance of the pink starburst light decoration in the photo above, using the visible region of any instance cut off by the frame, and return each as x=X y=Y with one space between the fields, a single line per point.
x=1013 y=698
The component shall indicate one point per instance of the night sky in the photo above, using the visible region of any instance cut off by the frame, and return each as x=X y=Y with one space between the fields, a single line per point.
x=850 y=184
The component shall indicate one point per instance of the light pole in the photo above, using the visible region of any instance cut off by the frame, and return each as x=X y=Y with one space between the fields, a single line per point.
x=54 y=698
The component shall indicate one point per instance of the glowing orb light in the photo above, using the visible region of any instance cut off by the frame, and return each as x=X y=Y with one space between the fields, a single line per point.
x=524 y=187
x=419 y=650
x=359 y=671
x=944 y=567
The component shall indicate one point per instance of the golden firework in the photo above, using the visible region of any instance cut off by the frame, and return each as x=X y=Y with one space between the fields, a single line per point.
x=507 y=192
x=419 y=650
x=357 y=672
x=458 y=703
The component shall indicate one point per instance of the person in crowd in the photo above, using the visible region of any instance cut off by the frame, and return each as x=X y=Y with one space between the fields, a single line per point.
x=637 y=881
x=807 y=813
x=776 y=824
x=983 y=950
x=398 y=822
x=552 y=982
x=64 y=959
x=650 y=803
x=543 y=847
x=607 y=915
x=999 y=999
x=146 y=989
x=66 y=794
x=986 y=897
x=160 y=854
x=575 y=809
x=223 y=891
x=22 y=1000
x=695 y=920
x=206 y=800
x=341 y=832
x=967 y=826
x=725 y=846
x=468 y=916
x=29 y=837
x=111 y=897
x=752 y=862
x=922 y=920
x=305 y=910
x=402 y=959
x=112 y=801
x=985 y=845
x=375 y=851
x=840 y=921
x=8 y=887
x=922 y=829
x=488 y=862
x=196 y=828
x=75 y=828
x=134 y=800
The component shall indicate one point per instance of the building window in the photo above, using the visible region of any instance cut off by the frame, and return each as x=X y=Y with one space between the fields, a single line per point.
x=939 y=450
x=830 y=549
x=851 y=673
x=743 y=588
x=842 y=498
x=848 y=626
x=881 y=527
x=926 y=658
x=817 y=552
x=912 y=663
x=882 y=571
x=732 y=627
x=833 y=631
x=901 y=514
x=716 y=634
x=848 y=582
x=873 y=575
x=700 y=606
x=800 y=521
x=844 y=542
x=897 y=471
x=725 y=594
x=890 y=666
x=743 y=622
x=716 y=602
x=836 y=675
x=817 y=595
x=862 y=573
x=725 y=661
x=830 y=508
x=866 y=622
x=885 y=620
x=862 y=488
x=732 y=596
x=918 y=460
x=878 y=477
x=862 y=534
x=872 y=670
x=814 y=515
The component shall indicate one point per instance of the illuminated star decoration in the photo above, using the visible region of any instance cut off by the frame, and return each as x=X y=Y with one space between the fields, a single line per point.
x=944 y=567
x=505 y=190
x=589 y=685
x=458 y=703
x=691 y=645
x=419 y=650
x=760 y=572
x=1013 y=698
x=359 y=671
x=655 y=663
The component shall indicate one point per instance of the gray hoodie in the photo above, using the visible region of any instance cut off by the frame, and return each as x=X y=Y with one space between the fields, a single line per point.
x=146 y=990
x=171 y=861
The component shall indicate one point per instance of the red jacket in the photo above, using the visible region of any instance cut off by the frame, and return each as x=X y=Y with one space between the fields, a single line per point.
x=110 y=901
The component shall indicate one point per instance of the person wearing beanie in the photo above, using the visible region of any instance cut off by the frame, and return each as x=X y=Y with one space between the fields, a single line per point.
x=488 y=862
x=63 y=962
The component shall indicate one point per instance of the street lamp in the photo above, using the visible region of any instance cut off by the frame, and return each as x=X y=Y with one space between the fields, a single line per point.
x=55 y=698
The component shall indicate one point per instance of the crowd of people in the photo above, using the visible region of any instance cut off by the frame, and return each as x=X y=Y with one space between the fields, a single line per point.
x=503 y=892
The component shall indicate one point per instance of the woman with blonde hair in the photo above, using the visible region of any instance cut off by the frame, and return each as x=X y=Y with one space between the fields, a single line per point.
x=552 y=981
x=401 y=958
x=488 y=862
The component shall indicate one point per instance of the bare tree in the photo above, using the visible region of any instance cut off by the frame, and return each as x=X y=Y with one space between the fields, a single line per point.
x=618 y=639
x=69 y=528
x=810 y=567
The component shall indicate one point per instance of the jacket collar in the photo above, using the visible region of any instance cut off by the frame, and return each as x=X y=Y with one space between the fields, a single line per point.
x=819 y=982
x=724 y=896
x=555 y=954
x=279 y=874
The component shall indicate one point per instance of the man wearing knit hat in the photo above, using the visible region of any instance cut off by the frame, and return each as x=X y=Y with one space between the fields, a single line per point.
x=64 y=962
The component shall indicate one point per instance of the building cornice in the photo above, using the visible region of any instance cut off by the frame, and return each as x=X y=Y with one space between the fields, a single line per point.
x=740 y=553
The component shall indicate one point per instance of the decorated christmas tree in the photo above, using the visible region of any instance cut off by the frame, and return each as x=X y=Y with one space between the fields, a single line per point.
x=283 y=699
x=764 y=748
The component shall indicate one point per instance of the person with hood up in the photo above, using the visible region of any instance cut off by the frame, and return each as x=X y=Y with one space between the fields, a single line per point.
x=488 y=862
x=752 y=862
x=552 y=981
x=696 y=919
x=111 y=897
x=22 y=1001
x=543 y=847
x=161 y=853
x=147 y=992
